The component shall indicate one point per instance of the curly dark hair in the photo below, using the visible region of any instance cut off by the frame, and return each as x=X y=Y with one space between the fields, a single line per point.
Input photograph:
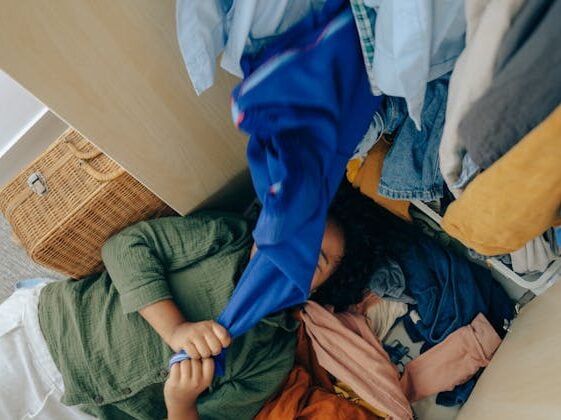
x=372 y=234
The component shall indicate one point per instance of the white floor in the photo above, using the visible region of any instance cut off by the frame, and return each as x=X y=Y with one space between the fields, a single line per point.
x=15 y=264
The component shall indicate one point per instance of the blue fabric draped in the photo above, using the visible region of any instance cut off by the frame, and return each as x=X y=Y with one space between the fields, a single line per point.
x=305 y=101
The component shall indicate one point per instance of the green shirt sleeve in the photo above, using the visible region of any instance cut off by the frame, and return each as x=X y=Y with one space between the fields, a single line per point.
x=138 y=257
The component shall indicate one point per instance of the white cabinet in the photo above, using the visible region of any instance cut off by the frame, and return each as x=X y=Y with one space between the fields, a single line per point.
x=19 y=110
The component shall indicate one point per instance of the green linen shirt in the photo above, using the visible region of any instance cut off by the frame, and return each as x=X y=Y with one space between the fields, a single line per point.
x=114 y=364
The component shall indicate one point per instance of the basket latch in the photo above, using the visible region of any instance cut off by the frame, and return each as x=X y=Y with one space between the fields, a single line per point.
x=37 y=183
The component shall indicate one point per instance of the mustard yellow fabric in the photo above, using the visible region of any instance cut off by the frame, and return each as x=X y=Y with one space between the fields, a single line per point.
x=516 y=199
x=346 y=392
x=353 y=168
x=366 y=177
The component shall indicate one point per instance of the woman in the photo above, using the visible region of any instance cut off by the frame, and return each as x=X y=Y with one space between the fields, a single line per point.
x=103 y=343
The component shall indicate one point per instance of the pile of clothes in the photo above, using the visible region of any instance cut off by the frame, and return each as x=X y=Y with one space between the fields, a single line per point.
x=457 y=104
x=454 y=307
x=469 y=101
x=486 y=139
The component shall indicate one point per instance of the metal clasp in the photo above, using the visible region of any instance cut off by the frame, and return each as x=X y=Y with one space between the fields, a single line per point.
x=37 y=183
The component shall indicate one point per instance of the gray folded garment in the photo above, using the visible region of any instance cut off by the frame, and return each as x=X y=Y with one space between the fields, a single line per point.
x=525 y=88
x=388 y=282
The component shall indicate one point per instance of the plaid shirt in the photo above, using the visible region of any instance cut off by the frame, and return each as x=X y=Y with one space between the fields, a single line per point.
x=365 y=20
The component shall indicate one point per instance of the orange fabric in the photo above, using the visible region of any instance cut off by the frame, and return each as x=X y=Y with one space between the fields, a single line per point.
x=308 y=392
x=368 y=178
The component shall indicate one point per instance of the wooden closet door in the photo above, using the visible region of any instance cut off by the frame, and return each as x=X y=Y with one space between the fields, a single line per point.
x=523 y=380
x=113 y=70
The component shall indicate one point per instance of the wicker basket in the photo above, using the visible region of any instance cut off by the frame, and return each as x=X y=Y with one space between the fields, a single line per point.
x=68 y=202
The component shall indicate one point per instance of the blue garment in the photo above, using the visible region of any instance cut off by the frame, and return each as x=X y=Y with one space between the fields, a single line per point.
x=460 y=394
x=388 y=282
x=504 y=258
x=470 y=170
x=306 y=104
x=450 y=291
x=397 y=352
x=206 y=28
x=305 y=111
x=416 y=41
x=34 y=282
x=411 y=168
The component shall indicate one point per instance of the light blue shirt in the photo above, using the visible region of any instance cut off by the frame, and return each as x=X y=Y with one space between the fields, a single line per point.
x=416 y=41
x=206 y=28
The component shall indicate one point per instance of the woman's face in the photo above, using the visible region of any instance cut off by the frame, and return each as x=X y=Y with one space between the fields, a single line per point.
x=332 y=250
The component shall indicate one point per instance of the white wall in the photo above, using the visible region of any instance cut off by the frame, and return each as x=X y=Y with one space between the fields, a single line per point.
x=19 y=111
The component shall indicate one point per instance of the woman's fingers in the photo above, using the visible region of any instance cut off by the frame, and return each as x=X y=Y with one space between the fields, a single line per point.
x=214 y=344
x=207 y=371
x=191 y=350
x=196 y=371
x=222 y=334
x=186 y=369
x=175 y=373
x=202 y=347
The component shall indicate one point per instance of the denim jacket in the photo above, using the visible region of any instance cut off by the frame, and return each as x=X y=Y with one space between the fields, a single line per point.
x=411 y=168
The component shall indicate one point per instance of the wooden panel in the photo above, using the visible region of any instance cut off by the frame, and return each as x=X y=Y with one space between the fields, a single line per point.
x=523 y=379
x=113 y=70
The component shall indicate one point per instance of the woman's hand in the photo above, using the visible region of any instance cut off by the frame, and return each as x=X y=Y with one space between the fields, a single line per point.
x=187 y=380
x=200 y=340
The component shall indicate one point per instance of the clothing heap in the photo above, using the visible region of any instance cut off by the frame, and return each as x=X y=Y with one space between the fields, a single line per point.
x=495 y=61
x=452 y=306
x=457 y=103
x=486 y=83
x=471 y=96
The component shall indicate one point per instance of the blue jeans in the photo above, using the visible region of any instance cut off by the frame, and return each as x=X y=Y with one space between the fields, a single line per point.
x=34 y=282
x=411 y=170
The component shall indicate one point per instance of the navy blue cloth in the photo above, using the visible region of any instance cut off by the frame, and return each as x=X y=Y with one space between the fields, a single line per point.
x=411 y=170
x=460 y=394
x=306 y=103
x=305 y=108
x=450 y=291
